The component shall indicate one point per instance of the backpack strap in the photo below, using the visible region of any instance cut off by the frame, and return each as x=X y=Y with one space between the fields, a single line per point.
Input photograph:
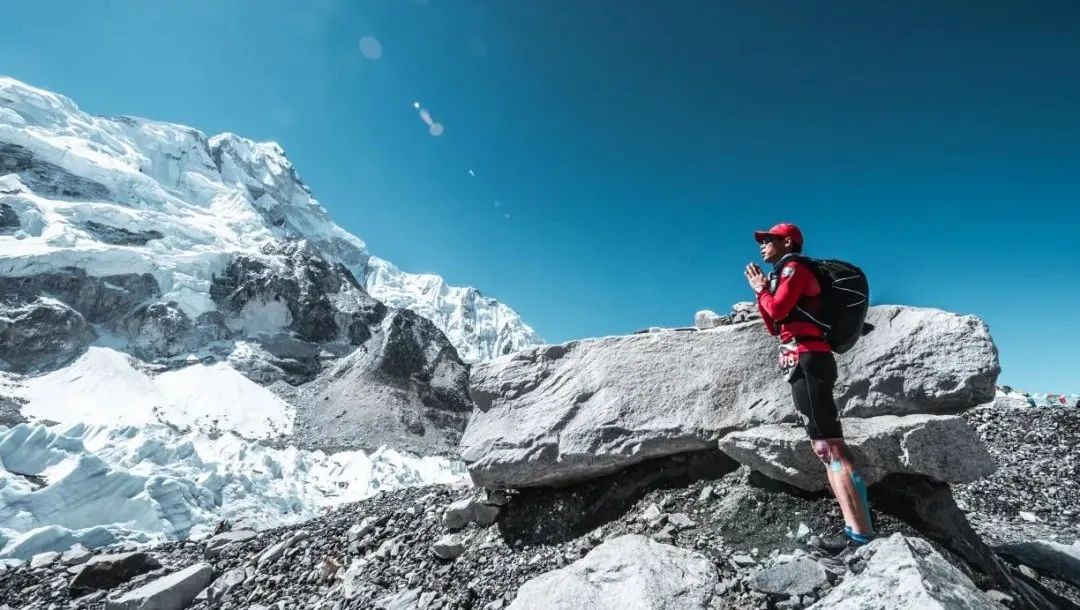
x=799 y=313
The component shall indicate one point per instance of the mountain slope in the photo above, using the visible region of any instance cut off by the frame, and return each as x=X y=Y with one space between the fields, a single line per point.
x=128 y=195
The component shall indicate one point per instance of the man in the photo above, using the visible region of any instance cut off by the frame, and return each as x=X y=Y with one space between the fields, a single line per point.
x=788 y=300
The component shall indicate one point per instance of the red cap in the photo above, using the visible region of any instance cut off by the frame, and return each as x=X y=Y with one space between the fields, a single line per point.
x=782 y=230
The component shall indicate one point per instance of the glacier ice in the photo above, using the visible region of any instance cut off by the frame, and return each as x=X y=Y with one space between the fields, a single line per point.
x=97 y=485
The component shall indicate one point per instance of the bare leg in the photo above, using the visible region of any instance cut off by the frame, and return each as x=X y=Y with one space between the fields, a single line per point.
x=846 y=484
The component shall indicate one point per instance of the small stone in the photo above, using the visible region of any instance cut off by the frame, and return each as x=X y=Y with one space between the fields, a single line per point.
x=448 y=547
x=328 y=568
x=1026 y=571
x=76 y=555
x=681 y=521
x=651 y=513
x=791 y=603
x=365 y=527
x=706 y=494
x=742 y=560
x=1029 y=517
x=43 y=559
x=802 y=532
x=497 y=497
x=1001 y=598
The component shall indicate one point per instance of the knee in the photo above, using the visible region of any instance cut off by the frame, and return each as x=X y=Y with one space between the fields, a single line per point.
x=830 y=451
x=823 y=451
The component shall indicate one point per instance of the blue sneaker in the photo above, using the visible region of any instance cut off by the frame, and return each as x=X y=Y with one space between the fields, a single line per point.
x=859 y=539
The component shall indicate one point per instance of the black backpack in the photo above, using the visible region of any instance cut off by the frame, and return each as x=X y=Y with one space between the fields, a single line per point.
x=845 y=297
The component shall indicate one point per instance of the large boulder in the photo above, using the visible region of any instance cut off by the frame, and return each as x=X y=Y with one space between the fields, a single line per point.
x=108 y=571
x=40 y=334
x=564 y=413
x=172 y=592
x=630 y=572
x=906 y=574
x=942 y=447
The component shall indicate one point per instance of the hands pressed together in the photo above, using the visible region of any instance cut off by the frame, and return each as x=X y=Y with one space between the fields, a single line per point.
x=756 y=277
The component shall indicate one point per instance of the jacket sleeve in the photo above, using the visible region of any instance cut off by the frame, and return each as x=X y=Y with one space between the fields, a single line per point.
x=795 y=281
x=770 y=324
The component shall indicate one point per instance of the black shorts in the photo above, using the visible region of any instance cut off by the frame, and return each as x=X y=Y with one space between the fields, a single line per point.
x=811 y=388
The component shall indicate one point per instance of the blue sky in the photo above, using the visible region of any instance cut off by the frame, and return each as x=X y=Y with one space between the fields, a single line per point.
x=632 y=147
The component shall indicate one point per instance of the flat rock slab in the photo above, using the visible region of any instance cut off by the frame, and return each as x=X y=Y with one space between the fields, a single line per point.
x=107 y=571
x=906 y=574
x=942 y=447
x=560 y=414
x=629 y=572
x=172 y=592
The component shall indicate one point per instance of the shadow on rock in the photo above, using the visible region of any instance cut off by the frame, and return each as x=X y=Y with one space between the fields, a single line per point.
x=929 y=507
x=555 y=515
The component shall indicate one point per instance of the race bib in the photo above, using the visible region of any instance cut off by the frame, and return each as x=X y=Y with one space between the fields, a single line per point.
x=788 y=357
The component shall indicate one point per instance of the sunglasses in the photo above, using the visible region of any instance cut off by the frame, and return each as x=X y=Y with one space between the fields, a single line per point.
x=768 y=239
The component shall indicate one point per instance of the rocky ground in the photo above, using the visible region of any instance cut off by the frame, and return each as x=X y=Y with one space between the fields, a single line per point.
x=398 y=549
x=1035 y=492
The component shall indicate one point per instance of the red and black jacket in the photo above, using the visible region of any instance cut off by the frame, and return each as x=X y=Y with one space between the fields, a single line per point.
x=789 y=303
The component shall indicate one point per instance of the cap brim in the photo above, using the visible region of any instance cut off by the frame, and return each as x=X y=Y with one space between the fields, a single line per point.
x=760 y=235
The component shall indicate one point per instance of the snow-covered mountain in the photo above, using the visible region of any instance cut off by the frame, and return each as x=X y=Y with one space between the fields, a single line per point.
x=113 y=195
x=186 y=337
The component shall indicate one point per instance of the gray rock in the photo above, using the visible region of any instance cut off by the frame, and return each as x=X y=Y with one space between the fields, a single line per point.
x=906 y=574
x=802 y=532
x=99 y=299
x=706 y=319
x=158 y=329
x=625 y=573
x=120 y=236
x=359 y=530
x=226 y=582
x=75 y=556
x=794 y=578
x=43 y=559
x=497 y=497
x=108 y=571
x=450 y=546
x=743 y=560
x=559 y=414
x=407 y=389
x=463 y=512
x=321 y=302
x=706 y=494
x=40 y=335
x=275 y=551
x=1058 y=560
x=46 y=178
x=680 y=521
x=9 y=219
x=408 y=599
x=172 y=592
x=942 y=447
x=215 y=544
